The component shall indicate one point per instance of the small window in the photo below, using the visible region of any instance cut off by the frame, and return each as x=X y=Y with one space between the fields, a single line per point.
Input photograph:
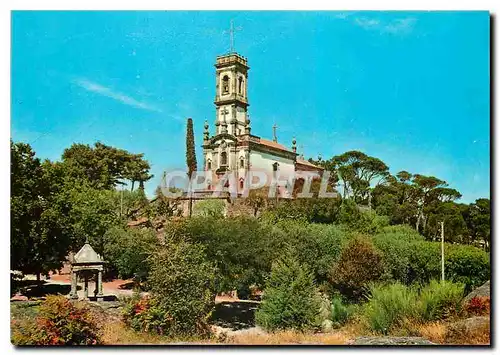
x=275 y=166
x=242 y=163
x=209 y=165
x=225 y=84
x=241 y=184
x=223 y=158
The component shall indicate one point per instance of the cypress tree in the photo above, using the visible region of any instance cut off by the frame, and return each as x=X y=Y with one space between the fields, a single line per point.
x=190 y=148
x=190 y=156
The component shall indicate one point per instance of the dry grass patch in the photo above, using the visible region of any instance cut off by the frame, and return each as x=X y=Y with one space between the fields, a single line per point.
x=434 y=331
x=290 y=337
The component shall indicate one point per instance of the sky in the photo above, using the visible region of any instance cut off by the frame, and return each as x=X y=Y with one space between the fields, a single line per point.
x=410 y=88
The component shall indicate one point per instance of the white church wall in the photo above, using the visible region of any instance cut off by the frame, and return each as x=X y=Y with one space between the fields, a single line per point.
x=264 y=162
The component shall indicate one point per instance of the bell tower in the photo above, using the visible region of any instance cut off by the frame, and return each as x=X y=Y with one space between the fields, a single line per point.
x=231 y=100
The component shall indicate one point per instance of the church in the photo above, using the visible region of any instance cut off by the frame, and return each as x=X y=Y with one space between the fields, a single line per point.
x=233 y=147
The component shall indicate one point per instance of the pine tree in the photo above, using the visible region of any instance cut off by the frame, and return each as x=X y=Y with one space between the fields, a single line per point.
x=290 y=299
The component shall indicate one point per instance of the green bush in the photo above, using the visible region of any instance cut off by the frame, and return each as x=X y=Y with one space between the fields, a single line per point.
x=359 y=264
x=390 y=306
x=290 y=299
x=341 y=312
x=439 y=300
x=182 y=287
x=468 y=265
x=59 y=322
x=410 y=259
x=209 y=208
x=127 y=250
x=364 y=221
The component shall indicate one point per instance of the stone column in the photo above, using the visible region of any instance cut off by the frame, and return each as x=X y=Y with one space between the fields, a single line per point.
x=73 y=294
x=99 y=286
x=86 y=288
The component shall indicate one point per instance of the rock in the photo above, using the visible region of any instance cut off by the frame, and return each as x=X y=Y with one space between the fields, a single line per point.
x=470 y=325
x=391 y=341
x=327 y=326
x=481 y=291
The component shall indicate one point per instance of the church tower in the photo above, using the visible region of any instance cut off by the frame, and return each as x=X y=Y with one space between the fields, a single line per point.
x=231 y=100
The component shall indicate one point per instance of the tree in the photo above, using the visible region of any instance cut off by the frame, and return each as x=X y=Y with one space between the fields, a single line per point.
x=182 y=284
x=290 y=299
x=478 y=219
x=359 y=265
x=190 y=155
x=358 y=171
x=105 y=167
x=38 y=239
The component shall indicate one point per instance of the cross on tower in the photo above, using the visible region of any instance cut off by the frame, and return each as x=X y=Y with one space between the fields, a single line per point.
x=275 y=138
x=231 y=32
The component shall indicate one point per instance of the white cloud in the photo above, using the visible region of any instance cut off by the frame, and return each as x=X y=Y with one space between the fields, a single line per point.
x=396 y=26
x=105 y=91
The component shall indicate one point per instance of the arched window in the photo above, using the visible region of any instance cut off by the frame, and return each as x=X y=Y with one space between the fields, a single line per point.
x=225 y=84
x=241 y=184
x=242 y=162
x=240 y=85
x=275 y=166
x=209 y=164
x=223 y=158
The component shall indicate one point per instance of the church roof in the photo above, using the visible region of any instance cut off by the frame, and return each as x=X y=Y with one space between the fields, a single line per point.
x=273 y=144
x=87 y=254
x=301 y=161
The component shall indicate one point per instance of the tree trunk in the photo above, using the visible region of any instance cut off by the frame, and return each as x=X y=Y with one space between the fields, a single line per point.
x=38 y=278
x=132 y=188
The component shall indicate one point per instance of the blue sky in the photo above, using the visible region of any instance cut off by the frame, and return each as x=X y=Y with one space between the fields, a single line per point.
x=411 y=88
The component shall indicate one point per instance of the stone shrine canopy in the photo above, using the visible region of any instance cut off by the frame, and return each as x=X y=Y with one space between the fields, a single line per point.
x=87 y=255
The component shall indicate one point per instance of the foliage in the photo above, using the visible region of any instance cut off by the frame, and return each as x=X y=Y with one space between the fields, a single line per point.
x=440 y=299
x=290 y=299
x=239 y=247
x=478 y=306
x=341 y=312
x=209 y=208
x=104 y=167
x=182 y=286
x=410 y=259
x=364 y=221
x=127 y=251
x=59 y=322
x=190 y=148
x=390 y=306
x=359 y=264
x=396 y=305
x=467 y=265
x=39 y=238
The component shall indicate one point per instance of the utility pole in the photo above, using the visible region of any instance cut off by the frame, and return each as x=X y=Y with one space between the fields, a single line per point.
x=121 y=202
x=442 y=251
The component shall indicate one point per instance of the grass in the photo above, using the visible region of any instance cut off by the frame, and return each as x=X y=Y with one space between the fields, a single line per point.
x=290 y=337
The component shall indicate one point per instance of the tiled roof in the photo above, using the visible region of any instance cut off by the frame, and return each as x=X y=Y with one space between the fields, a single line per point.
x=301 y=161
x=273 y=144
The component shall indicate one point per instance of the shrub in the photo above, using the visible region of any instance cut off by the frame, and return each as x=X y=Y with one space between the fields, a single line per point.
x=128 y=249
x=59 y=322
x=359 y=264
x=340 y=312
x=209 y=208
x=468 y=265
x=182 y=284
x=478 y=306
x=440 y=299
x=290 y=299
x=364 y=221
x=390 y=306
